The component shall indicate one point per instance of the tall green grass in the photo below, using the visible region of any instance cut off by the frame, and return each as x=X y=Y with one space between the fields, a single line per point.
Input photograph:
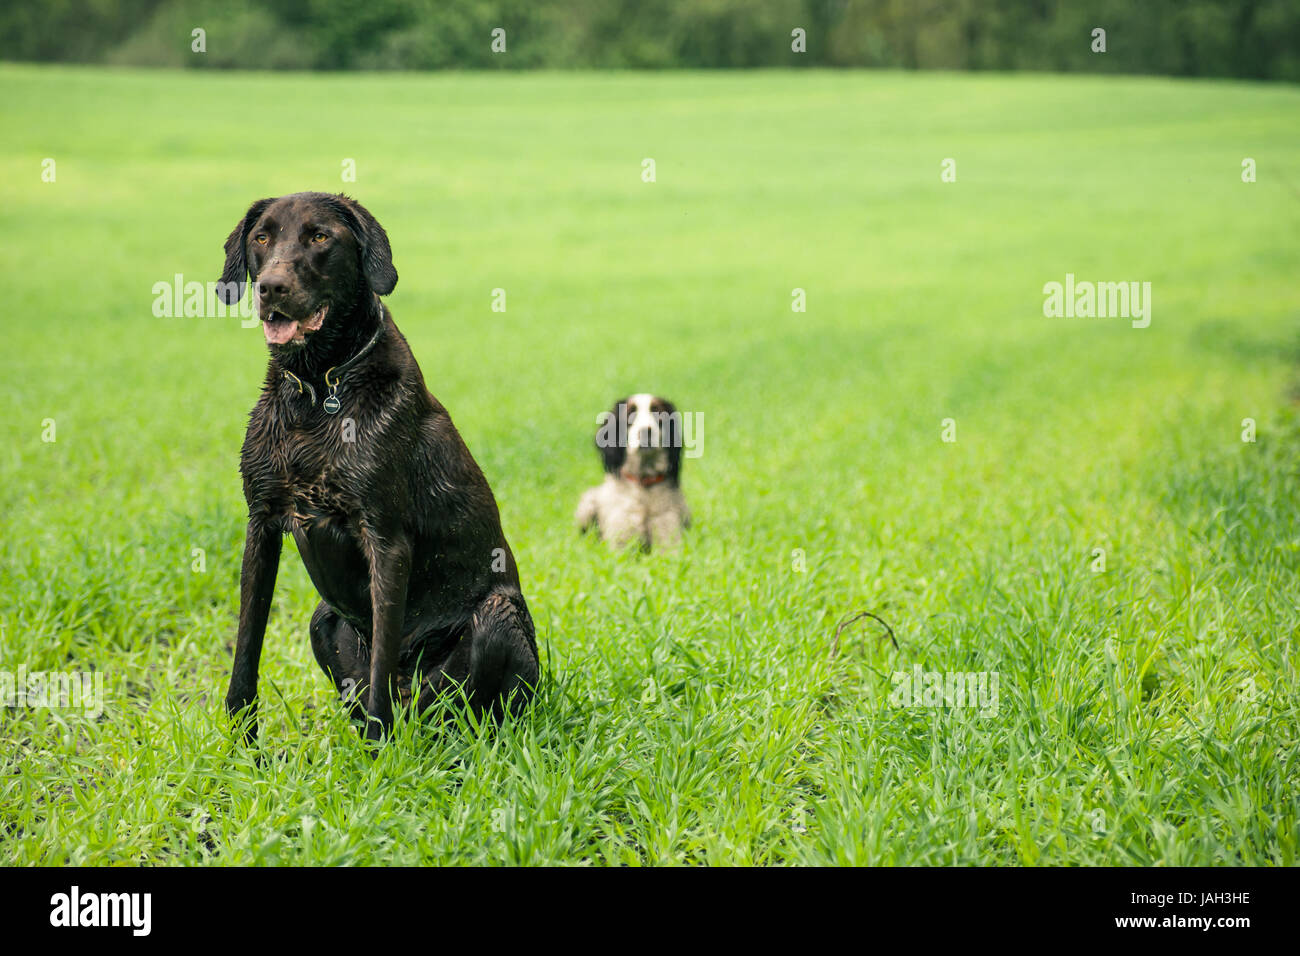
x=693 y=710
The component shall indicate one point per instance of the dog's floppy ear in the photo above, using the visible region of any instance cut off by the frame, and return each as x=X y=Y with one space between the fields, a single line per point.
x=235 y=276
x=376 y=254
x=611 y=437
x=672 y=438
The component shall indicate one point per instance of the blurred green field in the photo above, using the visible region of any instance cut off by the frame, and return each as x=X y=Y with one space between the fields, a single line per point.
x=693 y=711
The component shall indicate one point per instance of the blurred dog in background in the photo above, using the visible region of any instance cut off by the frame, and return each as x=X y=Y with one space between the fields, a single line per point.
x=640 y=500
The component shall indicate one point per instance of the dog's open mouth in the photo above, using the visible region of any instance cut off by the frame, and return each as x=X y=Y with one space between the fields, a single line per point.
x=281 y=330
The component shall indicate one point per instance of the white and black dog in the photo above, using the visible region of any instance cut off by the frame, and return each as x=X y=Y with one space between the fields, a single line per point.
x=640 y=500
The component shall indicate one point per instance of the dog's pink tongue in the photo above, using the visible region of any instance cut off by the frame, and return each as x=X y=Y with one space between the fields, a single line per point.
x=280 y=331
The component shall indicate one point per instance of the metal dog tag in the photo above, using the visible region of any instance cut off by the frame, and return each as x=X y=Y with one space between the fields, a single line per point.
x=332 y=404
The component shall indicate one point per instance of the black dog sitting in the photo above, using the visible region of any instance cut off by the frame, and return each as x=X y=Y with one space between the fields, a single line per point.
x=347 y=451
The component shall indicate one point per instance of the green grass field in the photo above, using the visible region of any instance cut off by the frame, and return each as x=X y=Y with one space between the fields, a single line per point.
x=693 y=710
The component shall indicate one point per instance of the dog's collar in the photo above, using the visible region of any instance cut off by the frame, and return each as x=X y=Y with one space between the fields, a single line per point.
x=332 y=403
x=647 y=480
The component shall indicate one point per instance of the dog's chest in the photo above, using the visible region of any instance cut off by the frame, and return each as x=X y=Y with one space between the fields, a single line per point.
x=636 y=508
x=313 y=480
x=637 y=504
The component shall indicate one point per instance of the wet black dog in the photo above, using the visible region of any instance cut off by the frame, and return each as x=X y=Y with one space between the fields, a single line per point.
x=347 y=451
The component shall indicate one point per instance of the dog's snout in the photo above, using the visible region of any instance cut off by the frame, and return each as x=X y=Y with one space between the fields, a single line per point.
x=644 y=437
x=273 y=286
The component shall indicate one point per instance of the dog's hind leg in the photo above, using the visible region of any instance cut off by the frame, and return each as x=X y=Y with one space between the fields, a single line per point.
x=343 y=654
x=496 y=662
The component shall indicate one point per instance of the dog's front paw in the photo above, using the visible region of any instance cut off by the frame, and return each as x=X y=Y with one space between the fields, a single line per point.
x=242 y=708
x=379 y=720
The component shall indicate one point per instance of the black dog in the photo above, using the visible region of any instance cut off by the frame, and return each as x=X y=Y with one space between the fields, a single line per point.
x=347 y=451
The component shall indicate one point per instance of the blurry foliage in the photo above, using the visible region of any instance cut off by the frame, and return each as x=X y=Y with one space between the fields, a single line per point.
x=1245 y=38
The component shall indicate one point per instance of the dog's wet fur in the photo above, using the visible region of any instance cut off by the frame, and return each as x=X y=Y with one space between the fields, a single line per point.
x=395 y=522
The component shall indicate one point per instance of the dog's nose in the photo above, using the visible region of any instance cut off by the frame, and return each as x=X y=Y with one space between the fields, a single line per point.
x=273 y=286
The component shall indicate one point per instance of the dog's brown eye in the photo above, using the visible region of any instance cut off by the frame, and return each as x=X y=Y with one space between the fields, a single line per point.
x=319 y=237
x=260 y=240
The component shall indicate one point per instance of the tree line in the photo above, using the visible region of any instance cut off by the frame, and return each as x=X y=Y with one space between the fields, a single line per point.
x=1257 y=39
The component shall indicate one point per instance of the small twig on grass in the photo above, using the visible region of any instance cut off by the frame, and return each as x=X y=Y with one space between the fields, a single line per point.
x=835 y=642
